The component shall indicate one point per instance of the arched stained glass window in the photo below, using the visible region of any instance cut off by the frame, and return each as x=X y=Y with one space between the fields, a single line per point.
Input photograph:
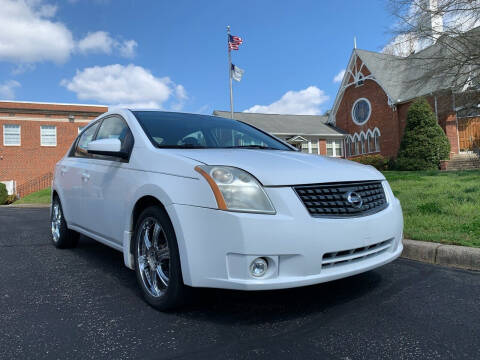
x=377 y=141
x=370 y=144
x=362 y=142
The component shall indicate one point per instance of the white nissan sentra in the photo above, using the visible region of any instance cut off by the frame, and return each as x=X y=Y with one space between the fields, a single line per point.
x=202 y=201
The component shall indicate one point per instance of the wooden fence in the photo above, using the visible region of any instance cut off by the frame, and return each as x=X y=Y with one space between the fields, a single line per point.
x=469 y=133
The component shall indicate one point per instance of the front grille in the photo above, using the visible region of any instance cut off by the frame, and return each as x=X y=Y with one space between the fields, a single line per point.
x=344 y=257
x=331 y=200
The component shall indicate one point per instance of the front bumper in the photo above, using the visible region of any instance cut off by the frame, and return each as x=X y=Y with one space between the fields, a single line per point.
x=217 y=247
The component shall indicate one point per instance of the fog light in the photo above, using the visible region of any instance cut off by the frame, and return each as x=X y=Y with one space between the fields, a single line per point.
x=258 y=267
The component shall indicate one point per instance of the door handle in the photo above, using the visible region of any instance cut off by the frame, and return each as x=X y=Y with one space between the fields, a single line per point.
x=85 y=176
x=63 y=170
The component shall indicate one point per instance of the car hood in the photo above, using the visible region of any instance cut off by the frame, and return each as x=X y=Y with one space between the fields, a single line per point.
x=274 y=167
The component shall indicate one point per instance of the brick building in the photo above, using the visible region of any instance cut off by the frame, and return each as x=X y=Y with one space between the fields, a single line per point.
x=34 y=136
x=308 y=133
x=375 y=94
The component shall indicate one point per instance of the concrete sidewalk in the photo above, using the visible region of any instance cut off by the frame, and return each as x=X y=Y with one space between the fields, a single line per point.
x=447 y=255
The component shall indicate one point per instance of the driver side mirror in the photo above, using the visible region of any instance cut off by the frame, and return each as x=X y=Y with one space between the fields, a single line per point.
x=109 y=147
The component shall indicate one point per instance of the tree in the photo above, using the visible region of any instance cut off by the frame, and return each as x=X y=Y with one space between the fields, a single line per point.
x=3 y=193
x=424 y=143
x=453 y=25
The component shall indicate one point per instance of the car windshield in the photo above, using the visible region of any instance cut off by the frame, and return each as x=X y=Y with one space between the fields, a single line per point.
x=187 y=131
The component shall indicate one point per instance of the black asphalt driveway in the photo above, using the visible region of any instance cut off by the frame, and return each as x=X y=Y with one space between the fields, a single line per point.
x=83 y=303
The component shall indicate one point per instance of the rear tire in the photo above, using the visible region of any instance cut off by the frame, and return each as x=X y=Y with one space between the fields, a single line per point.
x=62 y=237
x=157 y=260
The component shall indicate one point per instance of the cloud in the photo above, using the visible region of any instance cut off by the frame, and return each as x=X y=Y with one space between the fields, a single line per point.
x=96 y=42
x=180 y=96
x=130 y=86
x=45 y=10
x=27 y=33
x=339 y=77
x=23 y=68
x=204 y=109
x=99 y=2
x=127 y=48
x=102 y=42
x=402 y=45
x=7 y=89
x=303 y=102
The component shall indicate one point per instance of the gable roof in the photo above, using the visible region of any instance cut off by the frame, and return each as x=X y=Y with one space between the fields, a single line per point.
x=279 y=124
x=432 y=69
x=422 y=73
x=388 y=70
x=410 y=77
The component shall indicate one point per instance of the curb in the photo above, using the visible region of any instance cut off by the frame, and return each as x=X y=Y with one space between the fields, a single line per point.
x=447 y=255
x=27 y=205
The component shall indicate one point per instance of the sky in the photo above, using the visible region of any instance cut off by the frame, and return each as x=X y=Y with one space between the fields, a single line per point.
x=173 y=54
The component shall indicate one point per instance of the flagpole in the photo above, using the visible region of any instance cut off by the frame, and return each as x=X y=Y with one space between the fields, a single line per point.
x=230 y=71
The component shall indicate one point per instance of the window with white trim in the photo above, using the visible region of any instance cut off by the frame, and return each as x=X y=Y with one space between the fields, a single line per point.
x=362 y=141
x=48 y=135
x=315 y=147
x=370 y=144
x=348 y=146
x=11 y=135
x=360 y=80
x=334 y=148
x=361 y=111
x=377 y=141
x=305 y=147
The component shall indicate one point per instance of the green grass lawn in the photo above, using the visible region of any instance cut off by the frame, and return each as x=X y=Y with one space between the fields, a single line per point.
x=439 y=206
x=39 y=197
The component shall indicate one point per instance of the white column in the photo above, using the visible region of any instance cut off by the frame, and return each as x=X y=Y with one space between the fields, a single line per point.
x=309 y=147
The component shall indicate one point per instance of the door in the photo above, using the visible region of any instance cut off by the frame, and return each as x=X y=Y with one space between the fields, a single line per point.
x=469 y=133
x=71 y=180
x=109 y=180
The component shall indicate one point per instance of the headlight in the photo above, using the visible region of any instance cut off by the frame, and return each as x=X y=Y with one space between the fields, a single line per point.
x=388 y=191
x=236 y=190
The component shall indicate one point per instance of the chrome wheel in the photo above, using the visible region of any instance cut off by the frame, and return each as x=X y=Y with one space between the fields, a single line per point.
x=56 y=221
x=153 y=257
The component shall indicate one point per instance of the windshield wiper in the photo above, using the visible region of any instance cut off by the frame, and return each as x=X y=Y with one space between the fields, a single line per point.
x=251 y=147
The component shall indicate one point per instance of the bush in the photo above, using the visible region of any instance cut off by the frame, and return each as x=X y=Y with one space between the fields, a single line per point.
x=10 y=199
x=3 y=194
x=378 y=161
x=424 y=143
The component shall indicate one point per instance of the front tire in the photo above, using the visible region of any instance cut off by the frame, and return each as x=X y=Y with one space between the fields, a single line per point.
x=62 y=237
x=157 y=260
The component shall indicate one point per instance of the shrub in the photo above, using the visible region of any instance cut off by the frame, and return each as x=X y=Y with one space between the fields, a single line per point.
x=10 y=199
x=3 y=194
x=424 y=143
x=377 y=161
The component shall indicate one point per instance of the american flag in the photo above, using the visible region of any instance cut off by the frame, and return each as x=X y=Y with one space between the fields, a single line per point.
x=234 y=42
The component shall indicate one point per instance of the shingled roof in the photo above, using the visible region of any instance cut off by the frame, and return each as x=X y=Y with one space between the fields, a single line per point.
x=419 y=74
x=279 y=124
x=404 y=78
